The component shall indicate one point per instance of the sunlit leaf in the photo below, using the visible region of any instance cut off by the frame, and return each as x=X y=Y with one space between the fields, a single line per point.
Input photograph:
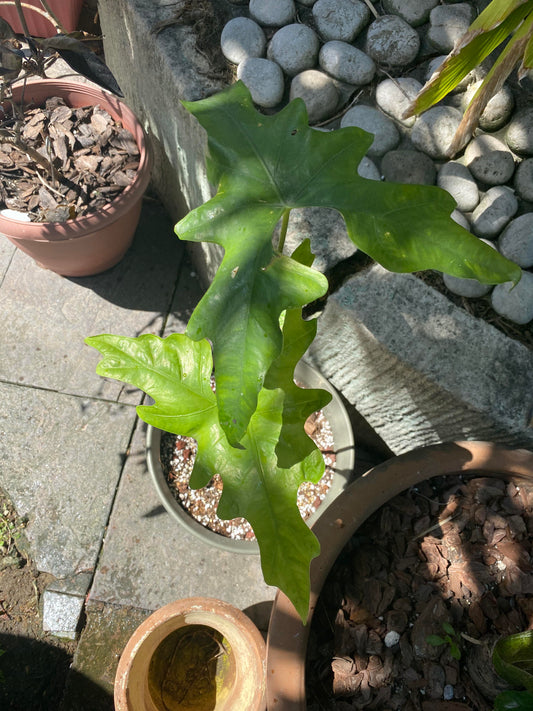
x=266 y=165
x=176 y=372
x=485 y=34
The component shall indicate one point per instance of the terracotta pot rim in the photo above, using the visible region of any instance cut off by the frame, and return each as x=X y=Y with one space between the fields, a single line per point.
x=205 y=611
x=108 y=213
x=287 y=636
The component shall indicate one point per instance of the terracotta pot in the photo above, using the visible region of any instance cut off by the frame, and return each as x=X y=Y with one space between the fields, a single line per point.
x=66 y=11
x=208 y=635
x=93 y=243
x=287 y=636
x=337 y=417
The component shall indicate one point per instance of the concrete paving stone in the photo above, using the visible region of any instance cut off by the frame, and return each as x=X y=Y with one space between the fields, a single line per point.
x=377 y=341
x=61 y=613
x=149 y=560
x=42 y=341
x=7 y=251
x=61 y=458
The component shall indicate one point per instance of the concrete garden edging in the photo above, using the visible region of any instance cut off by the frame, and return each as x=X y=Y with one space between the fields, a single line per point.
x=444 y=376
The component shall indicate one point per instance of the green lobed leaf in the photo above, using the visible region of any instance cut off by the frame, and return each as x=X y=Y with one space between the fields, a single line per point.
x=265 y=165
x=513 y=659
x=175 y=372
x=294 y=444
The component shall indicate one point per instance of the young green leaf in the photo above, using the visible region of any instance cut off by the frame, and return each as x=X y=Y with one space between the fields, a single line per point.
x=175 y=372
x=264 y=165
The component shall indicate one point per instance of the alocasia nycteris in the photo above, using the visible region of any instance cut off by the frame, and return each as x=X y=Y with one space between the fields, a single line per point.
x=252 y=431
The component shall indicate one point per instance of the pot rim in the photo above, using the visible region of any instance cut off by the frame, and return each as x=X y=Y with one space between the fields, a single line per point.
x=110 y=212
x=235 y=625
x=341 y=426
x=287 y=636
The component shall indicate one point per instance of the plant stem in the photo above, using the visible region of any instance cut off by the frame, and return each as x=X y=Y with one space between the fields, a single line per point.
x=20 y=12
x=283 y=231
x=46 y=6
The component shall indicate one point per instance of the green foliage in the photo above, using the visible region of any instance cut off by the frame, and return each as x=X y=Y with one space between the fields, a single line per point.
x=513 y=659
x=450 y=638
x=249 y=321
x=501 y=20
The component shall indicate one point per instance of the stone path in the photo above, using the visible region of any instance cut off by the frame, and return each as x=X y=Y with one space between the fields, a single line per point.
x=72 y=453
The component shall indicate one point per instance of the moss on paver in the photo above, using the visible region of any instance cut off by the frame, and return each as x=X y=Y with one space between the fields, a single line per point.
x=91 y=677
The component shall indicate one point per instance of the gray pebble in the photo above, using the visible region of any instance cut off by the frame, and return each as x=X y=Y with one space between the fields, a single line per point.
x=489 y=160
x=457 y=216
x=340 y=19
x=386 y=136
x=496 y=208
x=471 y=288
x=394 y=96
x=415 y=12
x=346 y=63
x=295 y=48
x=456 y=179
x=516 y=241
x=447 y=24
x=242 y=38
x=498 y=110
x=368 y=169
x=391 y=41
x=523 y=180
x=318 y=92
x=519 y=134
x=516 y=303
x=272 y=13
x=264 y=79
x=404 y=166
x=434 y=130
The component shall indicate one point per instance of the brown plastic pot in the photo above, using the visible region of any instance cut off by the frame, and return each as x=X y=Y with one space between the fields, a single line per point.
x=287 y=636
x=196 y=653
x=66 y=11
x=93 y=243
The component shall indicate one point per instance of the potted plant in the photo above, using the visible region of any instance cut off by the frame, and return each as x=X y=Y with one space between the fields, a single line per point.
x=196 y=653
x=80 y=242
x=42 y=18
x=338 y=421
x=288 y=635
x=248 y=327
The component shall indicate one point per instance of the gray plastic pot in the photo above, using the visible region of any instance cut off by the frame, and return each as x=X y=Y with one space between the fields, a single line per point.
x=341 y=426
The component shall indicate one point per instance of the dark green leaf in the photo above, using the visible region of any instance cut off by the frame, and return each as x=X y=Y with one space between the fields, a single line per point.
x=266 y=165
x=514 y=701
x=82 y=60
x=435 y=640
x=6 y=31
x=513 y=659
